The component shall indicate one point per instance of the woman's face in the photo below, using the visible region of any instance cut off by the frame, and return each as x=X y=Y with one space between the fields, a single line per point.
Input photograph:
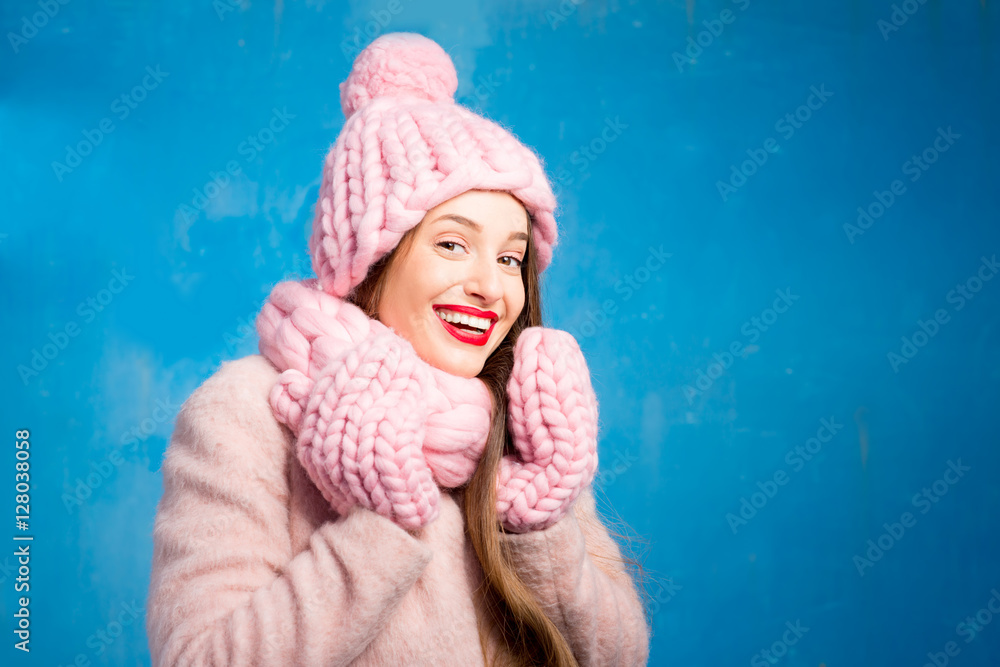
x=464 y=260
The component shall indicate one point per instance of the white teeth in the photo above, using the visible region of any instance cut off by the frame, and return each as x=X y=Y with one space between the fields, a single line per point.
x=461 y=318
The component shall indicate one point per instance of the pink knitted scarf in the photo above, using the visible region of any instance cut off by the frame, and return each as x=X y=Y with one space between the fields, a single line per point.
x=302 y=330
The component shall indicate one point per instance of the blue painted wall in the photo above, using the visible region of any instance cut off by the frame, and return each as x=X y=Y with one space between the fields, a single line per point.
x=787 y=383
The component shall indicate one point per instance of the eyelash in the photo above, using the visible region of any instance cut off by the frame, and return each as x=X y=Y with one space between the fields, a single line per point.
x=441 y=243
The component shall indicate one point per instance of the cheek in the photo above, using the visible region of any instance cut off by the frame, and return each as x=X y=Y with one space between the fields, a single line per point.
x=514 y=296
x=417 y=292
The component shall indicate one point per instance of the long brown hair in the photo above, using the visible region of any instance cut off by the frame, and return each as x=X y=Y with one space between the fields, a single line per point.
x=528 y=637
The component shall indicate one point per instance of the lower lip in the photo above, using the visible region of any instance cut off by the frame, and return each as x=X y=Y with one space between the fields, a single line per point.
x=467 y=336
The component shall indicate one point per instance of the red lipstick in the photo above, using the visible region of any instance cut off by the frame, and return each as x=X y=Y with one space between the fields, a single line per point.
x=465 y=335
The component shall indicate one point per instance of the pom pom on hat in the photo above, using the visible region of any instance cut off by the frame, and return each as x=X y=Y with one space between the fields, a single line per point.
x=398 y=64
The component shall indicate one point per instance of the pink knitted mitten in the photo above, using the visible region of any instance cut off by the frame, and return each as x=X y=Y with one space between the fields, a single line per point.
x=363 y=429
x=553 y=420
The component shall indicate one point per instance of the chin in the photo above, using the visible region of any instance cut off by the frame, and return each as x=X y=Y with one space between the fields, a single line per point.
x=468 y=369
x=467 y=363
x=465 y=370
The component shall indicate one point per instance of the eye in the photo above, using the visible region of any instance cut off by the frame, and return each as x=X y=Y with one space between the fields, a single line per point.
x=511 y=257
x=450 y=243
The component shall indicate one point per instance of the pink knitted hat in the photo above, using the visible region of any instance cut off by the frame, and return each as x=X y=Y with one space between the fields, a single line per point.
x=406 y=147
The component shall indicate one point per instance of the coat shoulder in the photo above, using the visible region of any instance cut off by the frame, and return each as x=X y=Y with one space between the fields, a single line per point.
x=231 y=408
x=242 y=386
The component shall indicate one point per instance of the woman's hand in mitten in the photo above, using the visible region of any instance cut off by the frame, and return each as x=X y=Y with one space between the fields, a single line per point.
x=362 y=431
x=553 y=420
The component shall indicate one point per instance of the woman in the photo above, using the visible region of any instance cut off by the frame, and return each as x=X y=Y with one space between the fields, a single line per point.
x=402 y=477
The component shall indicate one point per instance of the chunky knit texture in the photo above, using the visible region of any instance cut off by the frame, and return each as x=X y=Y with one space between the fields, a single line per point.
x=553 y=416
x=377 y=426
x=406 y=147
x=251 y=565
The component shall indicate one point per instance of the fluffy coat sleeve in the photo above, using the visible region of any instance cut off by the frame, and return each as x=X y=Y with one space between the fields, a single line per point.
x=226 y=588
x=575 y=571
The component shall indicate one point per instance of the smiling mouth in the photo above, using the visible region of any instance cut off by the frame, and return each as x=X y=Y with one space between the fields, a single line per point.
x=466 y=328
x=474 y=325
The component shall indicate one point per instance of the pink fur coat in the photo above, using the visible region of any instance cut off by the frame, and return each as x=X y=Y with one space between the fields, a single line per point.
x=251 y=565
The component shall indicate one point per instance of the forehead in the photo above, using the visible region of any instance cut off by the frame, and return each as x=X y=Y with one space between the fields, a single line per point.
x=499 y=211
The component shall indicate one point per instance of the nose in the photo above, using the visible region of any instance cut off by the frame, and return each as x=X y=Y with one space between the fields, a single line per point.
x=484 y=281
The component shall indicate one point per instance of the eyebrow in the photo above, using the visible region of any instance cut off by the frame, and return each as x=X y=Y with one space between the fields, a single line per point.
x=462 y=220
